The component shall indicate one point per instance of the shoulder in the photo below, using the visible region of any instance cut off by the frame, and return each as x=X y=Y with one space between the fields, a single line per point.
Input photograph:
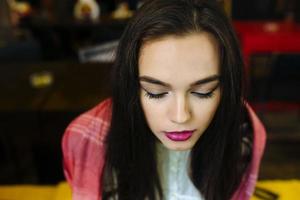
x=83 y=151
x=258 y=134
x=92 y=125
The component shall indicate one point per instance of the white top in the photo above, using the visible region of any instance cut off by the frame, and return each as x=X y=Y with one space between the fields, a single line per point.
x=173 y=172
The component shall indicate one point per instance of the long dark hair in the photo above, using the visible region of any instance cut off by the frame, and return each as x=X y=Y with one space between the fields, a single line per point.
x=130 y=152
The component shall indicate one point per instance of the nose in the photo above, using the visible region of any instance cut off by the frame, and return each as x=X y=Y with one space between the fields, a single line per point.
x=180 y=111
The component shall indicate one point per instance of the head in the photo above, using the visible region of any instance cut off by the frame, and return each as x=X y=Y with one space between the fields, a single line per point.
x=178 y=68
x=179 y=87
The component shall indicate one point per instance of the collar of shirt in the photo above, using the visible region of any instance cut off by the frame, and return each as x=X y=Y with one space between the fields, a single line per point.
x=173 y=172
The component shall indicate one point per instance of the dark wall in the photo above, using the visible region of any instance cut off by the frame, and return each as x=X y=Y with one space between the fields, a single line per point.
x=33 y=120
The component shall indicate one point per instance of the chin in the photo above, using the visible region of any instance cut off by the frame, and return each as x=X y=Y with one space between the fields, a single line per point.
x=179 y=146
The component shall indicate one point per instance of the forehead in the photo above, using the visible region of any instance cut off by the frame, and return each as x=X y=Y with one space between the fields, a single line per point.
x=180 y=59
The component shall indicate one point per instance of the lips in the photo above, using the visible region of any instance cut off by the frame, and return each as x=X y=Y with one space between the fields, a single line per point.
x=179 y=135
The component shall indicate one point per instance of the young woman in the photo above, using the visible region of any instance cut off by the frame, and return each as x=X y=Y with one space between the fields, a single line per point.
x=177 y=125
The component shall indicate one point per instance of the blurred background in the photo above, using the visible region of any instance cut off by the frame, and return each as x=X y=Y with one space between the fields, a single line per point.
x=55 y=62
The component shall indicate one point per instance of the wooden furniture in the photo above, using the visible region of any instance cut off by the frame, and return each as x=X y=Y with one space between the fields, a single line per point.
x=268 y=37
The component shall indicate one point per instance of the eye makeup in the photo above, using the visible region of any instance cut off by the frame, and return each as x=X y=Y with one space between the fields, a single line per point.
x=201 y=95
x=204 y=95
x=201 y=89
x=155 y=96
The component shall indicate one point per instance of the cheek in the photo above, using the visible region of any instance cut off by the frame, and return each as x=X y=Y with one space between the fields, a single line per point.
x=153 y=112
x=206 y=110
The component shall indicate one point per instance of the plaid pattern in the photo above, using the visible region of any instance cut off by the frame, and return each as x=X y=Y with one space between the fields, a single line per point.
x=83 y=153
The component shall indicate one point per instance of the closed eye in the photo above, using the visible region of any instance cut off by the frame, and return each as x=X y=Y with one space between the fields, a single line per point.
x=203 y=95
x=155 y=96
x=207 y=94
x=197 y=94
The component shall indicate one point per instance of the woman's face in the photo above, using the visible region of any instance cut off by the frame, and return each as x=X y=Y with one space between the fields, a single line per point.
x=179 y=93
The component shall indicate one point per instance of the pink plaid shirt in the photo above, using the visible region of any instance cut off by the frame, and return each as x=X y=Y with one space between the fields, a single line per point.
x=83 y=153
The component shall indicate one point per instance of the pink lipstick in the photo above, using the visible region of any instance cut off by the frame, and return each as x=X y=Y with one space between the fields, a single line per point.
x=179 y=135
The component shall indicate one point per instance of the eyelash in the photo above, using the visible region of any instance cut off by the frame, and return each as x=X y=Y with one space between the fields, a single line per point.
x=204 y=95
x=155 y=96
x=161 y=95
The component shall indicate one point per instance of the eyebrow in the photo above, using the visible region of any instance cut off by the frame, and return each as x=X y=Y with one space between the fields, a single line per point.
x=152 y=80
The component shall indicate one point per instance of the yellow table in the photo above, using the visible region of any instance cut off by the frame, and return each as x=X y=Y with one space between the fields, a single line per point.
x=36 y=192
x=286 y=189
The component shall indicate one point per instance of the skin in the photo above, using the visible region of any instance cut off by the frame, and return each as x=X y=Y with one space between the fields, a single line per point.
x=169 y=67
